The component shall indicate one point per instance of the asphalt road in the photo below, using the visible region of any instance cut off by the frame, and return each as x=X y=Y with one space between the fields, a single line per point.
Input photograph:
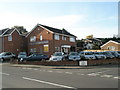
x=27 y=77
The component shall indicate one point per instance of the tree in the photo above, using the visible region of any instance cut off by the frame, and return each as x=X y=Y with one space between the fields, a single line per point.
x=21 y=29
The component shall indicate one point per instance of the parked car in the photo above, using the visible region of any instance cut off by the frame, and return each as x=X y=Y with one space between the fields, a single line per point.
x=7 y=56
x=87 y=55
x=108 y=54
x=57 y=56
x=74 y=56
x=35 y=57
x=99 y=55
x=22 y=55
x=115 y=54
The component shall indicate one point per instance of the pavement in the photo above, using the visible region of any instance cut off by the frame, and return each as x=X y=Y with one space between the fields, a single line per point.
x=32 y=76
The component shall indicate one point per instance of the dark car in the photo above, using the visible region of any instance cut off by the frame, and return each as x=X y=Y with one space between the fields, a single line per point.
x=35 y=57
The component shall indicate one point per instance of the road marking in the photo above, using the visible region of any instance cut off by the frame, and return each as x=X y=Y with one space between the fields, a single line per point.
x=108 y=76
x=58 y=72
x=5 y=73
x=50 y=83
x=50 y=71
x=116 y=77
x=82 y=74
x=93 y=74
x=35 y=69
x=68 y=72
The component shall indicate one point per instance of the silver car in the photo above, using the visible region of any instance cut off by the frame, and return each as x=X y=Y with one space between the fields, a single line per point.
x=57 y=56
x=6 y=56
x=22 y=55
x=74 y=56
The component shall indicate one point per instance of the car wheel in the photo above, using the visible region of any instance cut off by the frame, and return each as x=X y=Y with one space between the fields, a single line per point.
x=2 y=59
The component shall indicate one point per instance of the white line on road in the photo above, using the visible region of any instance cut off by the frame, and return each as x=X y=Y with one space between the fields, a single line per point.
x=63 y=86
x=116 y=77
x=50 y=71
x=68 y=72
x=108 y=76
x=5 y=73
x=35 y=69
x=93 y=74
x=58 y=71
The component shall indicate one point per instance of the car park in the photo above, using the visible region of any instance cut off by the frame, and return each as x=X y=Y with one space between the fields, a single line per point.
x=87 y=55
x=57 y=56
x=74 y=56
x=99 y=55
x=5 y=56
x=22 y=55
x=35 y=57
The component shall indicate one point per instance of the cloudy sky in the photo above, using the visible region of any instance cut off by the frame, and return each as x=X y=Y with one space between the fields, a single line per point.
x=79 y=18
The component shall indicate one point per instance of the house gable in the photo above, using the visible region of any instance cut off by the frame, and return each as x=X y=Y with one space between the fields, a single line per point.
x=110 y=42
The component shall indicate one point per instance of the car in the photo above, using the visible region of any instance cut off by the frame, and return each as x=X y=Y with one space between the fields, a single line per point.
x=99 y=55
x=35 y=57
x=5 y=56
x=87 y=55
x=22 y=55
x=108 y=54
x=115 y=54
x=57 y=56
x=74 y=56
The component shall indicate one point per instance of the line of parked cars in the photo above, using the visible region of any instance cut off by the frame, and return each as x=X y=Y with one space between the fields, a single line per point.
x=59 y=56
x=84 y=55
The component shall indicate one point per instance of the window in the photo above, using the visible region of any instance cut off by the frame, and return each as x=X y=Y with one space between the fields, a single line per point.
x=33 y=39
x=46 y=48
x=57 y=37
x=33 y=50
x=57 y=49
x=41 y=37
x=72 y=39
x=63 y=38
x=10 y=38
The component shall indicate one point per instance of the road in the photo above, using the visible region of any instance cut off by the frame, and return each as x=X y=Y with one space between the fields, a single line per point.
x=27 y=77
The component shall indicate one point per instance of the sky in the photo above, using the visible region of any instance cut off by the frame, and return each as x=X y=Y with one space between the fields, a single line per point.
x=79 y=18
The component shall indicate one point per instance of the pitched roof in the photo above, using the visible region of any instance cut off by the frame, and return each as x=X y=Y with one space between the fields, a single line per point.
x=55 y=30
x=116 y=42
x=9 y=31
x=3 y=31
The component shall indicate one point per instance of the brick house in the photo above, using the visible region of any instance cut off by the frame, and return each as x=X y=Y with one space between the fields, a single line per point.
x=111 y=45
x=47 y=40
x=11 y=40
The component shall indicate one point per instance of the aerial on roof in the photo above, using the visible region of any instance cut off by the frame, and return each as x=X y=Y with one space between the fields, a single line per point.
x=55 y=30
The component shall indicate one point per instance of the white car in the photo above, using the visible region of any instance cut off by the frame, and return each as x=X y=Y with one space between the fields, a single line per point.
x=87 y=55
x=57 y=56
x=22 y=55
x=74 y=56
x=99 y=55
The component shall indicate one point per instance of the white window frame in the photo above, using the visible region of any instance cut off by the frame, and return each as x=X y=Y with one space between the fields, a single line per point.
x=9 y=38
x=64 y=38
x=72 y=39
x=32 y=38
x=57 y=37
x=41 y=38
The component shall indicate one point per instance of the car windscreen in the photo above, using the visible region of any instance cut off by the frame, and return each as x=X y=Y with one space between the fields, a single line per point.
x=88 y=53
x=57 y=54
x=73 y=54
